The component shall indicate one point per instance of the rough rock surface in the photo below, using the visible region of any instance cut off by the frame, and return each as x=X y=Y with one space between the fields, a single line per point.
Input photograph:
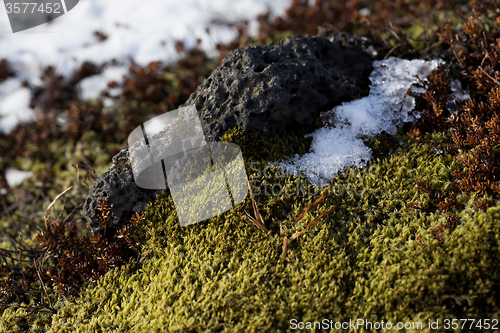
x=288 y=84
x=270 y=88
x=124 y=196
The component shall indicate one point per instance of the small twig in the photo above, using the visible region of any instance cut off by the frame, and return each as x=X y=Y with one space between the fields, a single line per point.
x=488 y=75
x=45 y=217
x=144 y=256
x=392 y=50
x=72 y=212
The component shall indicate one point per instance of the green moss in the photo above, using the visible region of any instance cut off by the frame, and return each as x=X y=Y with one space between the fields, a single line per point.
x=257 y=147
x=363 y=261
x=18 y=320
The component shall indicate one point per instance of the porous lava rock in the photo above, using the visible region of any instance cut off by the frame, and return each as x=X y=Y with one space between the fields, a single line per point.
x=283 y=85
x=124 y=197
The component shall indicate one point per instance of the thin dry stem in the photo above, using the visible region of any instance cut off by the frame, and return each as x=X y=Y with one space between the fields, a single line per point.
x=43 y=285
x=285 y=247
x=488 y=75
x=312 y=206
x=46 y=217
x=258 y=221
x=314 y=222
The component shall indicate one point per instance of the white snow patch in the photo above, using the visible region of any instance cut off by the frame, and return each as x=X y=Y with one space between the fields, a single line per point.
x=387 y=107
x=364 y=12
x=92 y=86
x=15 y=177
x=144 y=31
x=14 y=104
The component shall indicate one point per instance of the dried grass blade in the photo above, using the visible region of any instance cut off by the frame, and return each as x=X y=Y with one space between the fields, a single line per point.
x=258 y=221
x=43 y=286
x=285 y=247
x=312 y=206
x=53 y=202
x=314 y=222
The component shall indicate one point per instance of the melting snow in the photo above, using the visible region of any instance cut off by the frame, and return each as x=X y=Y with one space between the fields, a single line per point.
x=14 y=104
x=15 y=177
x=384 y=109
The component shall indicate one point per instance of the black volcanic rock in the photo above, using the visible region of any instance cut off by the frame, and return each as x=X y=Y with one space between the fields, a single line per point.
x=281 y=85
x=269 y=88
x=125 y=198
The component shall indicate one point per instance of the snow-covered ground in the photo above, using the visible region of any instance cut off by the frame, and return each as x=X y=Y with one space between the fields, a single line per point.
x=142 y=30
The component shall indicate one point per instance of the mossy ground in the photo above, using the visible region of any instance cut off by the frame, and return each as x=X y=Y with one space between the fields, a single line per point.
x=363 y=261
x=382 y=255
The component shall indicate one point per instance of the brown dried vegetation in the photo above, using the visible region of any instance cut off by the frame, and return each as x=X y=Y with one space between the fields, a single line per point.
x=65 y=259
x=474 y=127
x=5 y=70
x=159 y=87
